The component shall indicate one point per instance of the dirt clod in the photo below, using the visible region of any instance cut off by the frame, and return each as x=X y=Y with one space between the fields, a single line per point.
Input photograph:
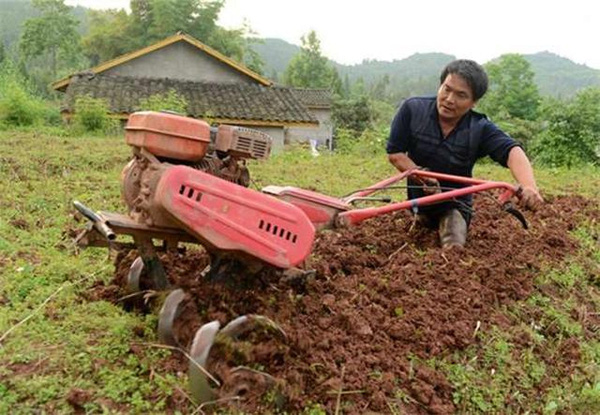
x=384 y=297
x=77 y=398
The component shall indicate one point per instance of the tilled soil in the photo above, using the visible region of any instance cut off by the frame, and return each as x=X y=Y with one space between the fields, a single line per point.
x=383 y=298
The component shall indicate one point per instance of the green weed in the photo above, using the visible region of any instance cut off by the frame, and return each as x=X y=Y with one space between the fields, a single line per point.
x=71 y=342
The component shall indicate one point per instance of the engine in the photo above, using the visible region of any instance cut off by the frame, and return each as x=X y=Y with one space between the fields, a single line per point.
x=161 y=140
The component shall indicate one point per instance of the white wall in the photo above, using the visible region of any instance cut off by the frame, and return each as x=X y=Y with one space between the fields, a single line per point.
x=180 y=60
x=276 y=133
x=322 y=134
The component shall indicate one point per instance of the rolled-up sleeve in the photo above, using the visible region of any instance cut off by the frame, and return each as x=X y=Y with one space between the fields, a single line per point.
x=496 y=143
x=398 y=140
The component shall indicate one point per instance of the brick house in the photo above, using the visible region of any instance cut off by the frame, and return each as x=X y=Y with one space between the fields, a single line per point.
x=214 y=86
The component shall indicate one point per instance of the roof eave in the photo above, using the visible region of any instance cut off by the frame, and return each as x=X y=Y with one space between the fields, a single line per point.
x=222 y=120
x=62 y=84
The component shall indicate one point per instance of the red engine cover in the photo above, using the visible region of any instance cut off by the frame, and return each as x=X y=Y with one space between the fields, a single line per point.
x=168 y=135
x=228 y=217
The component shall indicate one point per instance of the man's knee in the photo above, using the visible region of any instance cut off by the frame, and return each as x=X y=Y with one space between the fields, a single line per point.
x=452 y=229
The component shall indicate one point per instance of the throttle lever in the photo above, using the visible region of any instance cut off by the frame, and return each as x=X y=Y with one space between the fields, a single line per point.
x=509 y=207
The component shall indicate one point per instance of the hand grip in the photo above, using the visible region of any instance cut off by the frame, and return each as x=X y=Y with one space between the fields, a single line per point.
x=96 y=220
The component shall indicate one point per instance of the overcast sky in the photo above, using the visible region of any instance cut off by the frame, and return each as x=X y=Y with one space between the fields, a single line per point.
x=351 y=31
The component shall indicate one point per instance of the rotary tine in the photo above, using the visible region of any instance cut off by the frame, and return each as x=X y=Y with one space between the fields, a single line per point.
x=134 y=276
x=245 y=323
x=203 y=341
x=170 y=311
x=205 y=338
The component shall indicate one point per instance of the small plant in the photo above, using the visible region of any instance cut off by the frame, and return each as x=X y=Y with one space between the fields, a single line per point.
x=51 y=114
x=314 y=409
x=370 y=141
x=170 y=101
x=92 y=114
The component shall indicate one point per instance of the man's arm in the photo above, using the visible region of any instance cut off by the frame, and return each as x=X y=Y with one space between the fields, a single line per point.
x=401 y=161
x=521 y=169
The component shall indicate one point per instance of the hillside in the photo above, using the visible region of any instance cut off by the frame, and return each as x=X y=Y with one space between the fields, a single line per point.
x=560 y=76
x=13 y=13
x=276 y=53
x=417 y=74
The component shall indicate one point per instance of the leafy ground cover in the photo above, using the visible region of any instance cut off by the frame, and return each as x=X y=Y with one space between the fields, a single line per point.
x=532 y=344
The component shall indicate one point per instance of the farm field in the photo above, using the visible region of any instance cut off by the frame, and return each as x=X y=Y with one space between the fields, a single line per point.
x=388 y=324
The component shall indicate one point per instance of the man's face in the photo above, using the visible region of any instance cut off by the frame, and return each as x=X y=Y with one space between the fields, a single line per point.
x=454 y=98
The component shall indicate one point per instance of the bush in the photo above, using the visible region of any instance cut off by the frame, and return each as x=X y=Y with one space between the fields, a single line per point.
x=371 y=141
x=51 y=114
x=170 y=101
x=560 y=146
x=18 y=105
x=92 y=115
x=383 y=113
x=524 y=131
x=18 y=108
x=572 y=136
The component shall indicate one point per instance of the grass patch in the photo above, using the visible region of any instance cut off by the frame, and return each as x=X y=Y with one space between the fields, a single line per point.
x=71 y=343
x=558 y=354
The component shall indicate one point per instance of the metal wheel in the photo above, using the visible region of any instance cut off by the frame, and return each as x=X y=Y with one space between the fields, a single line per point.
x=206 y=336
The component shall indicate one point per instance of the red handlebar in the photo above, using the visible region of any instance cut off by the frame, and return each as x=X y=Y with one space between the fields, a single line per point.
x=475 y=185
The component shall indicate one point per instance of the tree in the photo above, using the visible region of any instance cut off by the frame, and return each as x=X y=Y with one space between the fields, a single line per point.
x=512 y=92
x=52 y=36
x=309 y=68
x=359 y=88
x=252 y=58
x=573 y=133
x=109 y=35
x=113 y=33
x=353 y=114
x=380 y=88
x=346 y=87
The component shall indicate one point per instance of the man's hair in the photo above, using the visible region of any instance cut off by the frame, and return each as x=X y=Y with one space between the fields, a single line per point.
x=470 y=71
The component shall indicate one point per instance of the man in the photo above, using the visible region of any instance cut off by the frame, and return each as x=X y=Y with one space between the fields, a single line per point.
x=444 y=134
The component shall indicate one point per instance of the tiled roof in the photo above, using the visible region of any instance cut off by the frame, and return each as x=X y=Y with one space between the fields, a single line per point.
x=314 y=98
x=250 y=102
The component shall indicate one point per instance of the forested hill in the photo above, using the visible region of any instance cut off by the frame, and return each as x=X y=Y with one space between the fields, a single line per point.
x=14 y=12
x=554 y=74
x=416 y=74
x=276 y=54
x=560 y=76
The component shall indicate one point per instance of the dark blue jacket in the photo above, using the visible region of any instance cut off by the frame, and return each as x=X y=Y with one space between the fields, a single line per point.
x=416 y=131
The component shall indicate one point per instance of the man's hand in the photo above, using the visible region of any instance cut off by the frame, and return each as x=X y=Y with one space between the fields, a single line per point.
x=521 y=169
x=530 y=198
x=431 y=186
